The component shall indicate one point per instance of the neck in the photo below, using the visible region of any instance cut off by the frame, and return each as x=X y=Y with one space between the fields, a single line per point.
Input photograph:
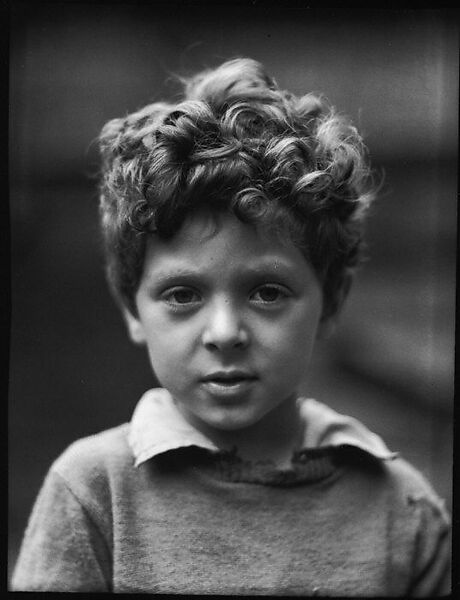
x=274 y=438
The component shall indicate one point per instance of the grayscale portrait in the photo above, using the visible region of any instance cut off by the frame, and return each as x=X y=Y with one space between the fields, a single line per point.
x=233 y=246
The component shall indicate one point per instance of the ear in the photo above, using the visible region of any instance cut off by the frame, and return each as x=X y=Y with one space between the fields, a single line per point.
x=135 y=327
x=328 y=322
x=326 y=327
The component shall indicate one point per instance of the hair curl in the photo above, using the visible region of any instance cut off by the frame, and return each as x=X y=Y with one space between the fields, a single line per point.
x=235 y=143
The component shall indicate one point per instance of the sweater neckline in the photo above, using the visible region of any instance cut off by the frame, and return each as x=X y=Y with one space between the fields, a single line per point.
x=307 y=466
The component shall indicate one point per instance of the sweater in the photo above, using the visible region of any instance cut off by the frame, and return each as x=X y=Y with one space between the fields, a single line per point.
x=153 y=506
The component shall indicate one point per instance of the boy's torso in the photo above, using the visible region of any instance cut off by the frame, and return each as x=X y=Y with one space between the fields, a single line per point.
x=185 y=526
x=199 y=534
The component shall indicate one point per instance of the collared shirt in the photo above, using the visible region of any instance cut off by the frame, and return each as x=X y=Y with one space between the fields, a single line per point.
x=157 y=426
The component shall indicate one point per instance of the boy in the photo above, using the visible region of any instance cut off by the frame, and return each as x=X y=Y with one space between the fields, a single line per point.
x=232 y=224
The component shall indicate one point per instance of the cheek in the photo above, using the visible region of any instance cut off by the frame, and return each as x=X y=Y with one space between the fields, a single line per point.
x=299 y=327
x=167 y=365
x=169 y=347
x=164 y=351
x=164 y=334
x=294 y=352
x=292 y=340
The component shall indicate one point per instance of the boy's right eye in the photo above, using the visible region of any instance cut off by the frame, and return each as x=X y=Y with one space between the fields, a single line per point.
x=181 y=296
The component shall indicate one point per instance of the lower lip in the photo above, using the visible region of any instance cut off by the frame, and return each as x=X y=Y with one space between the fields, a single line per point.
x=230 y=389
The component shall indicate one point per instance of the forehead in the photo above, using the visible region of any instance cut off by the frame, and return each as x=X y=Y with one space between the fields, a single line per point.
x=222 y=242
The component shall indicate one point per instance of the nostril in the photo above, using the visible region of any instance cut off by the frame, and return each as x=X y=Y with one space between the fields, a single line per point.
x=224 y=327
x=220 y=340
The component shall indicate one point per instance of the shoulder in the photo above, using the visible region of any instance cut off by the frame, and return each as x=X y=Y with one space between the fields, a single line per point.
x=103 y=450
x=95 y=461
x=371 y=466
x=402 y=487
x=420 y=529
x=412 y=491
x=394 y=500
x=403 y=498
x=407 y=478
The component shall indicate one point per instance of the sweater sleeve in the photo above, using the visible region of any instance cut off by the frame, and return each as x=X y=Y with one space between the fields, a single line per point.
x=63 y=548
x=432 y=564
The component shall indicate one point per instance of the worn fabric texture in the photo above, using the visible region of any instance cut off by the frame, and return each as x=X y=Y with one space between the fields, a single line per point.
x=153 y=506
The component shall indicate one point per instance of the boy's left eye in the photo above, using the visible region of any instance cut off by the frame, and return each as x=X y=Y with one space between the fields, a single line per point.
x=269 y=294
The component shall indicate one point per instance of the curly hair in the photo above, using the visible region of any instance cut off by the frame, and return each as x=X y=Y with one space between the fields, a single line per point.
x=238 y=143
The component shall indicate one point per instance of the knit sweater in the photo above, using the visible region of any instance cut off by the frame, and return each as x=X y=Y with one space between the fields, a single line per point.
x=153 y=506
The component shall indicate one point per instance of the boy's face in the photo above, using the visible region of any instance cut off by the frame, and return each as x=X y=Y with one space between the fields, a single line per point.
x=229 y=318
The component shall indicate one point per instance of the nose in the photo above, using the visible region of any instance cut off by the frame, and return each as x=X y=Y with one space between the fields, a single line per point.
x=224 y=328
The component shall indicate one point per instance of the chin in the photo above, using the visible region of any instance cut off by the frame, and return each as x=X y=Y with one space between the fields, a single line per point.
x=232 y=423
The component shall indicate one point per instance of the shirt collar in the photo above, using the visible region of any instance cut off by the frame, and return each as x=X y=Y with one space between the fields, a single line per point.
x=158 y=426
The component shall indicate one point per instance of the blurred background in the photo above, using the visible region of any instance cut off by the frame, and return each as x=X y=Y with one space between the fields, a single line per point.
x=73 y=66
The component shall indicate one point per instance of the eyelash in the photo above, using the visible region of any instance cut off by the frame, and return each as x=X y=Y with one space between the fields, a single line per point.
x=282 y=293
x=170 y=296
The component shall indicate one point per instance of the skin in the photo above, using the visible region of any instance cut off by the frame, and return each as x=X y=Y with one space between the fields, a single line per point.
x=219 y=296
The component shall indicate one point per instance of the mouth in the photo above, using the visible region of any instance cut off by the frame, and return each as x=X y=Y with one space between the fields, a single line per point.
x=229 y=378
x=228 y=383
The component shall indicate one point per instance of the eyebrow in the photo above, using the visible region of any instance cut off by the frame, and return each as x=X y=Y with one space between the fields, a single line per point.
x=167 y=276
x=267 y=268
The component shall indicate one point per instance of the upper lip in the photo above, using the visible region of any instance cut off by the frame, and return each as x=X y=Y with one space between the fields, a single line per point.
x=228 y=375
